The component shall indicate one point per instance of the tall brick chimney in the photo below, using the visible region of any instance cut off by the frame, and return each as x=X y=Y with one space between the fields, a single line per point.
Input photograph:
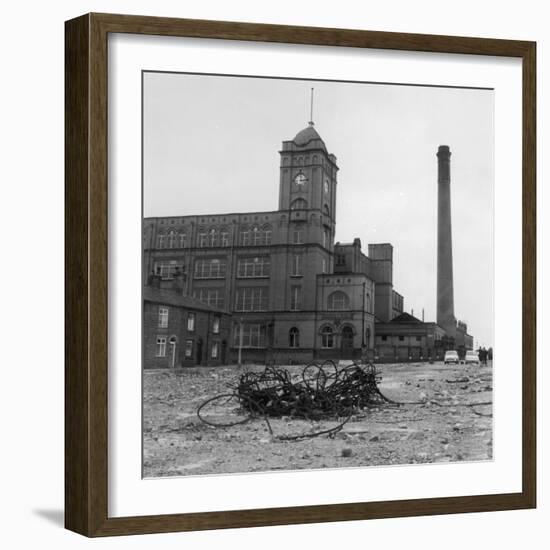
x=445 y=292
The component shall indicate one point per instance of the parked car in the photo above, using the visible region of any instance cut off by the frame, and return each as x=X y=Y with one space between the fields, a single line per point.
x=451 y=356
x=471 y=357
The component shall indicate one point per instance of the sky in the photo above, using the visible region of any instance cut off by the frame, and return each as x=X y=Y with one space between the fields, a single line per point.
x=211 y=143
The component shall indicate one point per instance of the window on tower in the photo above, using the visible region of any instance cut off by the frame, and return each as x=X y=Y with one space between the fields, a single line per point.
x=298 y=235
x=326 y=238
x=298 y=204
x=296 y=266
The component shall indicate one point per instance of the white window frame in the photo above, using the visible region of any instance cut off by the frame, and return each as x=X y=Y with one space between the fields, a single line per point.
x=327 y=338
x=161 y=346
x=252 y=299
x=163 y=317
x=254 y=267
x=212 y=268
x=214 y=297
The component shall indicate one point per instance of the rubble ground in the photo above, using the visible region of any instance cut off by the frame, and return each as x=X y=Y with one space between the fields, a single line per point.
x=451 y=421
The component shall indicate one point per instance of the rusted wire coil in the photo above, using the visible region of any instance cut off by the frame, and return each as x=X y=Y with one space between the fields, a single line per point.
x=319 y=392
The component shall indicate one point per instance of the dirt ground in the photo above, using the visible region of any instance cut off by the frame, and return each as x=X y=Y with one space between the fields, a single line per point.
x=447 y=426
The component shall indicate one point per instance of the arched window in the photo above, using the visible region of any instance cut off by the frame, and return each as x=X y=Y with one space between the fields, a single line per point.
x=244 y=235
x=172 y=239
x=294 y=338
x=338 y=301
x=327 y=337
x=298 y=204
x=224 y=236
x=267 y=233
x=212 y=237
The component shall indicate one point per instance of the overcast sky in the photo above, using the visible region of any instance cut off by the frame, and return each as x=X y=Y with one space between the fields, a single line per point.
x=211 y=146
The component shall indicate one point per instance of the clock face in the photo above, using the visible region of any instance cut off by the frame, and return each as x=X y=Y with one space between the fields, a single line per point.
x=300 y=180
x=326 y=187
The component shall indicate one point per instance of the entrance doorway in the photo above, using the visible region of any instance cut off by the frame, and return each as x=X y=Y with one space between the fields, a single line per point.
x=199 y=351
x=224 y=352
x=347 y=343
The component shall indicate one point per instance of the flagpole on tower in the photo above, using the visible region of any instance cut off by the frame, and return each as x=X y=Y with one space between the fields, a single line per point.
x=311 y=109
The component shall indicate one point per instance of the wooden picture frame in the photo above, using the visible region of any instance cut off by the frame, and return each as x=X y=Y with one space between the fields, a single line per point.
x=86 y=230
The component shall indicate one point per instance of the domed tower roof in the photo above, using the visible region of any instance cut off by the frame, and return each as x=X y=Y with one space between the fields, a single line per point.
x=303 y=137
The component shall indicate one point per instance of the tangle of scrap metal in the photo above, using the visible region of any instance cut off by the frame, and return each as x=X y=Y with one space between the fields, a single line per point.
x=320 y=392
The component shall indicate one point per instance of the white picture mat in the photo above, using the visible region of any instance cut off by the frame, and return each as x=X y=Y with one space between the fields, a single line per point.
x=128 y=493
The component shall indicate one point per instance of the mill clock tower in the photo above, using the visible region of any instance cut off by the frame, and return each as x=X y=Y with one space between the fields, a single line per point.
x=308 y=175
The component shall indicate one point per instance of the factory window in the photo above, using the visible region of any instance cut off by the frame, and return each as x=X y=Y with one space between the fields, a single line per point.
x=298 y=204
x=191 y=322
x=294 y=338
x=224 y=237
x=168 y=269
x=203 y=239
x=296 y=267
x=214 y=297
x=384 y=338
x=172 y=239
x=249 y=335
x=256 y=236
x=160 y=241
x=163 y=317
x=182 y=240
x=210 y=269
x=161 y=346
x=340 y=259
x=212 y=238
x=254 y=267
x=401 y=338
x=338 y=301
x=295 y=298
x=251 y=299
x=327 y=337
x=188 y=348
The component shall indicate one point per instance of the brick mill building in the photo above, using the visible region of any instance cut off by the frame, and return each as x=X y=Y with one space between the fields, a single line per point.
x=293 y=293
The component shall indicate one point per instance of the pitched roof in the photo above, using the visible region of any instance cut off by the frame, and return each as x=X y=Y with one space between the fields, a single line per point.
x=309 y=133
x=171 y=298
x=406 y=318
